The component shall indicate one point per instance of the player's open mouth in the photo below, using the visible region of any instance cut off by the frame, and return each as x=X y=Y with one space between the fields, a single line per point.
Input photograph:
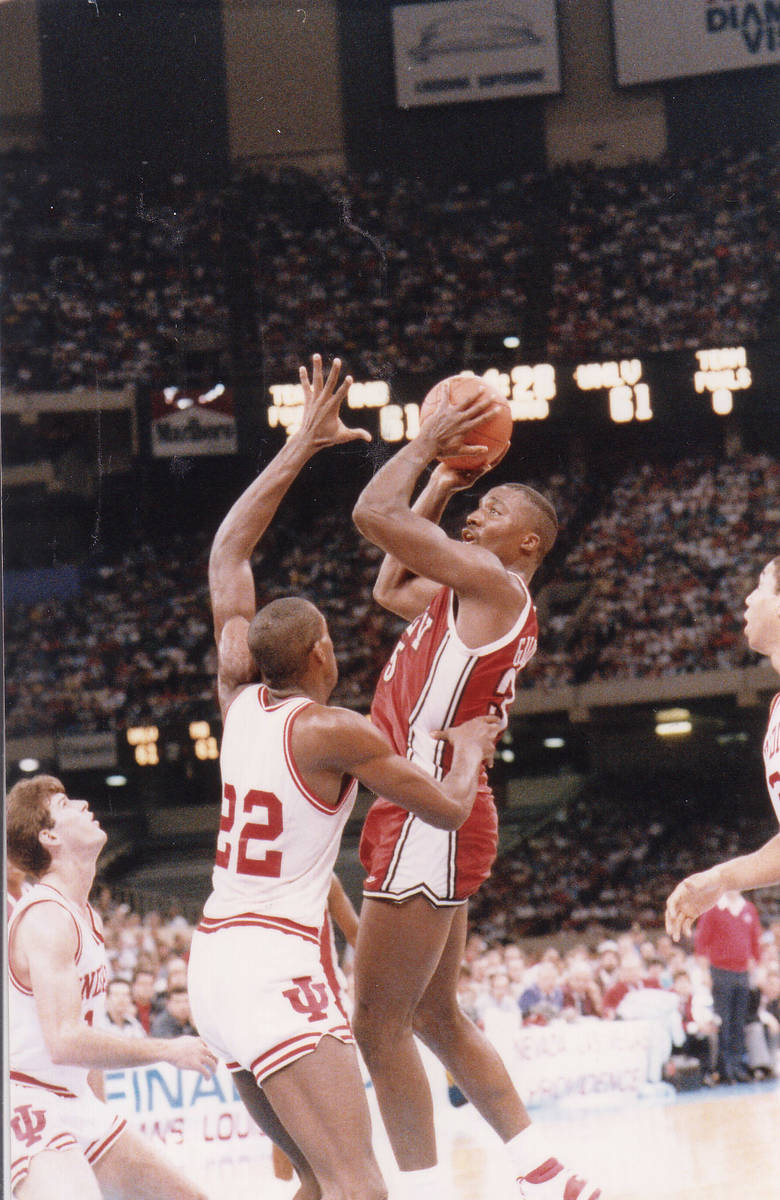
x=468 y=534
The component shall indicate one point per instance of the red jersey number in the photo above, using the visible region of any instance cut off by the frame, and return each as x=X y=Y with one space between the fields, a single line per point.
x=270 y=864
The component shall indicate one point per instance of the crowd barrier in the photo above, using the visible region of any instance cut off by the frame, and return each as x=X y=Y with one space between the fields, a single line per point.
x=202 y=1122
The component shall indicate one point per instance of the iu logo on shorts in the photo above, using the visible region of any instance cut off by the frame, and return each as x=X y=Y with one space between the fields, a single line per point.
x=308 y=997
x=28 y=1124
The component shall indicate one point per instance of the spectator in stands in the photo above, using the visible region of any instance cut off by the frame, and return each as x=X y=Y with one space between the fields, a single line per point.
x=631 y=977
x=543 y=1000
x=144 y=996
x=120 y=1016
x=174 y=1020
x=581 y=993
x=700 y=1025
x=608 y=969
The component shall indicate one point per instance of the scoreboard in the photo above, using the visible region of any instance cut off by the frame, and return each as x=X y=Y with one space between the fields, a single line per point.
x=707 y=383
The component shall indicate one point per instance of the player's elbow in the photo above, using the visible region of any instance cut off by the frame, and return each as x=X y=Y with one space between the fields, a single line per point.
x=370 y=519
x=60 y=1050
x=449 y=817
x=383 y=595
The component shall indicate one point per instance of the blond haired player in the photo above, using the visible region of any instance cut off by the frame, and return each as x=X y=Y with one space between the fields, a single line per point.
x=65 y=1142
x=261 y=994
x=694 y=895
x=472 y=628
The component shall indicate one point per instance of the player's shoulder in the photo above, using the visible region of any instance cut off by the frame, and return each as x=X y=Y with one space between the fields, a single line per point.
x=325 y=717
x=336 y=729
x=42 y=919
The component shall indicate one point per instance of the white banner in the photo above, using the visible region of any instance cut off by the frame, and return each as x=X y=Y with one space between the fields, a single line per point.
x=463 y=50
x=666 y=39
x=198 y=1121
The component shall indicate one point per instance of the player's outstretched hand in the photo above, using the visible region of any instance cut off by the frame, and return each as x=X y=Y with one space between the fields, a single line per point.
x=479 y=731
x=690 y=899
x=191 y=1054
x=322 y=399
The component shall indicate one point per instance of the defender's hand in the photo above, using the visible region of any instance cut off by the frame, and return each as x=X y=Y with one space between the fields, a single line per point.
x=321 y=424
x=479 y=731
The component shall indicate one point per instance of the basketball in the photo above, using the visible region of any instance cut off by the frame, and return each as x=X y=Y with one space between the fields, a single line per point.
x=494 y=432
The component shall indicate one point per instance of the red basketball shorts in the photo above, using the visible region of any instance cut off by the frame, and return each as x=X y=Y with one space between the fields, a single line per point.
x=405 y=857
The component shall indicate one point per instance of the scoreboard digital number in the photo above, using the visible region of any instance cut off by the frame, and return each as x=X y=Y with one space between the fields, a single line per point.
x=633 y=390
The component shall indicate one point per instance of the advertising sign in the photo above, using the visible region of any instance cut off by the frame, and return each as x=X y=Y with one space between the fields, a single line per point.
x=458 y=51
x=666 y=39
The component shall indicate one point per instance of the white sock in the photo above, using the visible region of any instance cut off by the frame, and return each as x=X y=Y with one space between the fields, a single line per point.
x=422 y=1185
x=528 y=1149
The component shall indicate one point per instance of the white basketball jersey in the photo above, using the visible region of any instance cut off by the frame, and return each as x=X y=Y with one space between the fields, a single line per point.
x=28 y=1053
x=277 y=841
x=772 y=754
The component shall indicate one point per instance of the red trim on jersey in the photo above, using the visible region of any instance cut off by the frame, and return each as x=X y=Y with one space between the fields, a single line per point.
x=96 y=1149
x=101 y=941
x=268 y=705
x=316 y=801
x=281 y=924
x=31 y=1081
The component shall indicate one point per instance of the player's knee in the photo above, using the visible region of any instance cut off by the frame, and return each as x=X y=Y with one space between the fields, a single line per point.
x=378 y=1033
x=437 y=1027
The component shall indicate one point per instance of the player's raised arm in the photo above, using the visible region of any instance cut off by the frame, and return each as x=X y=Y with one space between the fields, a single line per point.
x=231 y=583
x=337 y=741
x=44 y=951
x=385 y=515
x=399 y=589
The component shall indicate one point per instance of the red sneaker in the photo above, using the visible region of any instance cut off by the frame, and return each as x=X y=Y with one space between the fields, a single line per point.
x=553 y=1181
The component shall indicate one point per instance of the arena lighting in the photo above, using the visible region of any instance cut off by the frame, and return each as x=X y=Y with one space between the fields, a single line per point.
x=673 y=722
x=28 y=765
x=511 y=341
x=672 y=714
x=554 y=743
x=673 y=728
x=507 y=755
x=116 y=780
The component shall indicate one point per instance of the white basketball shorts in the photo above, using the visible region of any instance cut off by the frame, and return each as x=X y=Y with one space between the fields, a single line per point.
x=260 y=994
x=46 y=1117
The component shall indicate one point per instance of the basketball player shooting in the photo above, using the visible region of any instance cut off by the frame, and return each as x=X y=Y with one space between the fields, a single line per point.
x=699 y=892
x=472 y=628
x=261 y=992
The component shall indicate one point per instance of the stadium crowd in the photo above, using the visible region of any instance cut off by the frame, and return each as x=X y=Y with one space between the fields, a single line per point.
x=667 y=559
x=107 y=284
x=506 y=983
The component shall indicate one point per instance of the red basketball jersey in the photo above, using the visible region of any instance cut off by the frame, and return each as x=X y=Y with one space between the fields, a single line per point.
x=433 y=681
